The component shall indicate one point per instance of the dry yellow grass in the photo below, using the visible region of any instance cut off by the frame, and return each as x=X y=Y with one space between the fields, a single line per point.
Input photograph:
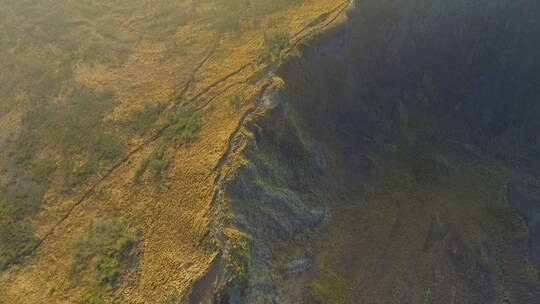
x=173 y=214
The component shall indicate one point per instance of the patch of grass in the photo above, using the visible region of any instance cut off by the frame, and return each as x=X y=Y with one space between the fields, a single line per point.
x=102 y=250
x=274 y=42
x=184 y=129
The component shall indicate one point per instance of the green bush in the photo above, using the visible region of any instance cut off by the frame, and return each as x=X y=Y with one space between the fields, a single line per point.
x=42 y=170
x=107 y=271
x=108 y=147
x=102 y=250
x=91 y=300
x=139 y=121
x=309 y=38
x=13 y=208
x=26 y=148
x=75 y=127
x=90 y=167
x=237 y=101
x=105 y=148
x=274 y=42
x=16 y=239
x=184 y=129
x=157 y=161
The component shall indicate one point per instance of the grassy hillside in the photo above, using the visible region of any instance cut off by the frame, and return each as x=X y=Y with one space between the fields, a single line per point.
x=116 y=110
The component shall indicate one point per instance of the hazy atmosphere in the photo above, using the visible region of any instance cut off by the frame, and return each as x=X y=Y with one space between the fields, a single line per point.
x=269 y=151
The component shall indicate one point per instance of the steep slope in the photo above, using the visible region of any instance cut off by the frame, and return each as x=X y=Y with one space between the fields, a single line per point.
x=396 y=163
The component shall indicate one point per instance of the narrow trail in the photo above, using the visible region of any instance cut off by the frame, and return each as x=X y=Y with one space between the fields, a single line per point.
x=178 y=102
x=178 y=99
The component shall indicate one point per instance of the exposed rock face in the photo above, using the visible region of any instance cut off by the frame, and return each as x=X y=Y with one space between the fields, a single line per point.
x=383 y=172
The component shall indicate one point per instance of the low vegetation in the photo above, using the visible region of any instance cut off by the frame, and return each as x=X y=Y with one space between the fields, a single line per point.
x=16 y=238
x=106 y=148
x=274 y=42
x=102 y=252
x=237 y=100
x=74 y=128
x=141 y=120
x=236 y=15
x=184 y=129
x=19 y=201
x=309 y=38
x=157 y=161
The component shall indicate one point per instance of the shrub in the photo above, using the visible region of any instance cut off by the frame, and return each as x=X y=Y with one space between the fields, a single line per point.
x=107 y=147
x=273 y=43
x=16 y=239
x=107 y=271
x=101 y=251
x=25 y=148
x=184 y=129
x=75 y=127
x=78 y=176
x=157 y=161
x=237 y=100
x=42 y=169
x=139 y=121
x=309 y=38
x=91 y=300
